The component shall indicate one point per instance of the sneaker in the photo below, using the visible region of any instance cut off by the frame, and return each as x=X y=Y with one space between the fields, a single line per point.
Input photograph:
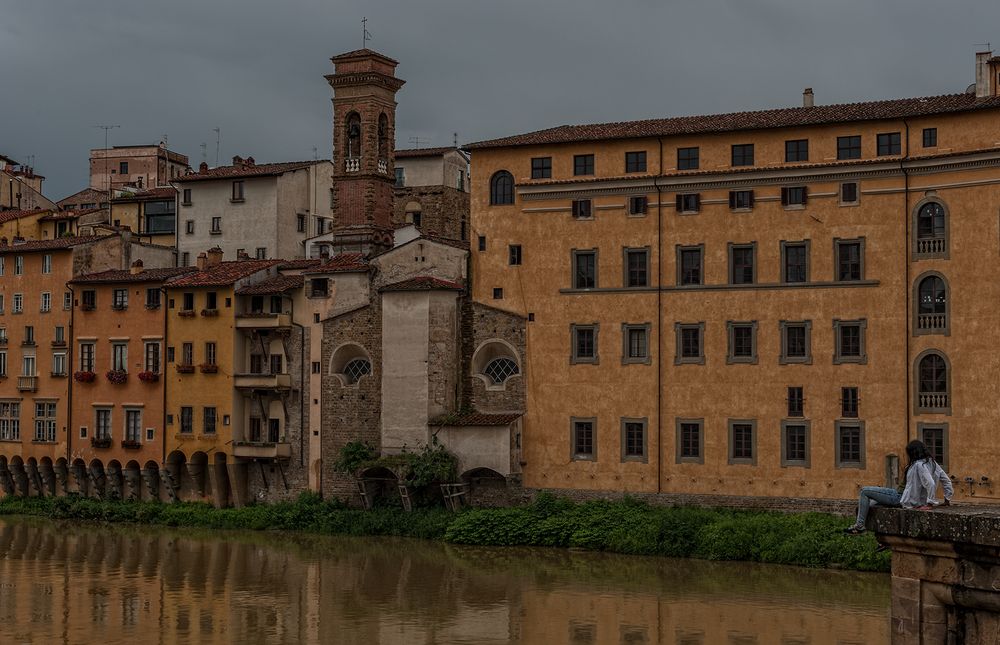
x=882 y=547
x=854 y=530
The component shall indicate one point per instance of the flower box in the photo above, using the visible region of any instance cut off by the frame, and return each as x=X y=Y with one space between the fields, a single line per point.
x=84 y=377
x=185 y=369
x=148 y=377
x=208 y=313
x=131 y=444
x=209 y=369
x=88 y=307
x=100 y=442
x=118 y=377
x=186 y=313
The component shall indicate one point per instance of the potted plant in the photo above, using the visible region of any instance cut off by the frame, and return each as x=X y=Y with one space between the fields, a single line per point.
x=207 y=368
x=131 y=443
x=118 y=377
x=147 y=376
x=100 y=442
x=84 y=376
x=209 y=312
x=185 y=369
x=186 y=313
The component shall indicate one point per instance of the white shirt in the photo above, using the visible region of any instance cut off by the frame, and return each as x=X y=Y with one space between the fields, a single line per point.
x=921 y=484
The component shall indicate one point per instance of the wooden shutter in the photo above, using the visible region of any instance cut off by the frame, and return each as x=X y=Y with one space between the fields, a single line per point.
x=784 y=197
x=732 y=199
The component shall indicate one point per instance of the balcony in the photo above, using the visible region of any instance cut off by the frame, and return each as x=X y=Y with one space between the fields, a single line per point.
x=263 y=321
x=352 y=164
x=263 y=381
x=932 y=322
x=933 y=402
x=932 y=245
x=383 y=166
x=262 y=450
x=27 y=383
x=58 y=343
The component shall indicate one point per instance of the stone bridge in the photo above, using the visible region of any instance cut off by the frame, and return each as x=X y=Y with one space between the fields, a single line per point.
x=945 y=574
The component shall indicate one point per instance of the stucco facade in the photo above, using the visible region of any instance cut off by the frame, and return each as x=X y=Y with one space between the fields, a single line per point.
x=134 y=166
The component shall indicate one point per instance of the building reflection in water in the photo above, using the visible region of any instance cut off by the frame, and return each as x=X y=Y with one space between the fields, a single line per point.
x=64 y=583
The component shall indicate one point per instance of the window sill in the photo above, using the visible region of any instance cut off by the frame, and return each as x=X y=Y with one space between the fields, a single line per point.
x=58 y=374
x=854 y=466
x=795 y=360
x=185 y=203
x=795 y=464
x=584 y=458
x=584 y=361
x=637 y=361
x=847 y=204
x=857 y=360
x=215 y=232
x=690 y=361
x=740 y=210
x=741 y=360
x=237 y=201
x=43 y=442
x=742 y=462
x=795 y=207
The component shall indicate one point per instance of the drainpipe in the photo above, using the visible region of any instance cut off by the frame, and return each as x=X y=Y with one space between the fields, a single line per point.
x=659 y=323
x=164 y=305
x=70 y=345
x=302 y=383
x=906 y=275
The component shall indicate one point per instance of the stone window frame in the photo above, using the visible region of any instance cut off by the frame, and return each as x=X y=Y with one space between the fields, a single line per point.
x=945 y=447
x=731 y=326
x=949 y=391
x=574 y=359
x=582 y=209
x=783 y=357
x=730 y=247
x=737 y=461
x=679 y=252
x=680 y=458
x=632 y=249
x=682 y=208
x=515 y=255
x=499 y=194
x=796 y=463
x=944 y=331
x=783 y=245
x=485 y=353
x=572 y=268
x=628 y=360
x=801 y=400
x=341 y=356
x=786 y=197
x=633 y=200
x=679 y=358
x=857 y=193
x=841 y=241
x=857 y=401
x=573 y=454
x=644 y=457
x=838 y=426
x=838 y=358
x=734 y=207
x=915 y=217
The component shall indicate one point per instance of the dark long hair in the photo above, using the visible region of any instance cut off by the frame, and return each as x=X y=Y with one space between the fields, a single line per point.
x=916 y=451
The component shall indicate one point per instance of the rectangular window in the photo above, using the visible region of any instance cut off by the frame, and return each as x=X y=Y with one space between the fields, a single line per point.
x=187 y=354
x=636 y=267
x=152 y=357
x=850 y=444
x=47 y=263
x=189 y=228
x=89 y=300
x=10 y=421
x=742 y=342
x=742 y=441
x=152 y=298
x=102 y=424
x=741 y=264
x=584 y=269
x=849 y=192
x=688 y=203
x=690 y=441
x=275 y=364
x=300 y=223
x=889 y=143
x=498 y=293
x=217 y=225
x=583 y=165
x=186 y=197
x=541 y=168
x=795 y=443
x=261 y=253
x=795 y=262
x=482 y=243
x=122 y=167
x=119 y=299
x=582 y=436
x=930 y=137
x=46 y=303
x=18 y=265
x=687 y=159
x=935 y=437
x=635 y=161
x=17 y=306
x=256 y=363
x=584 y=339
x=3 y=264
x=633 y=439
x=187 y=302
x=689 y=343
x=133 y=425
x=119 y=356
x=795 y=341
x=238 y=191
x=635 y=340
x=209 y=420
x=689 y=265
x=849 y=337
x=277 y=305
x=318 y=288
x=29 y=335
x=582 y=208
x=400 y=181
x=67 y=301
x=59 y=364
x=3 y=362
x=740 y=199
x=742 y=154
x=797 y=150
x=638 y=205
x=210 y=353
x=45 y=421
x=794 y=196
x=514 y=255
x=86 y=357
x=211 y=301
x=796 y=402
x=849 y=402
x=849 y=147
x=187 y=419
x=850 y=260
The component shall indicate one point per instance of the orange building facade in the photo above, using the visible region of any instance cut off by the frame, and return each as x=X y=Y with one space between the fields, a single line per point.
x=765 y=304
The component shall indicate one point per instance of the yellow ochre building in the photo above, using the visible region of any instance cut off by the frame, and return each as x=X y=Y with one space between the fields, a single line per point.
x=762 y=304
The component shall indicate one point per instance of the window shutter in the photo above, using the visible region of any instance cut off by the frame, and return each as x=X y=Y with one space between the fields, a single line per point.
x=805 y=194
x=784 y=197
x=750 y=192
x=697 y=201
x=679 y=200
x=732 y=199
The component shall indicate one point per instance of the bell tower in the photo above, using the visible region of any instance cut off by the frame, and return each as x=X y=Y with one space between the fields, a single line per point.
x=364 y=123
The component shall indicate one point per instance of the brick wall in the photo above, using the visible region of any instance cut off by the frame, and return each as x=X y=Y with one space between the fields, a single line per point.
x=442 y=209
x=480 y=324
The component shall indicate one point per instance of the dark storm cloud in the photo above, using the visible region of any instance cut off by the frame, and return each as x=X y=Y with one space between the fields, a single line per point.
x=481 y=69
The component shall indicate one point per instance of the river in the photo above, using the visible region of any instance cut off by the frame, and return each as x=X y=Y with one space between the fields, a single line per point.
x=76 y=583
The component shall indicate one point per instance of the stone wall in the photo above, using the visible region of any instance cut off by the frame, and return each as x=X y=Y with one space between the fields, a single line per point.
x=482 y=324
x=442 y=210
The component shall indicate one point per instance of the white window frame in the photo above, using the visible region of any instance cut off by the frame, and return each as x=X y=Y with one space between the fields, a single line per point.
x=103 y=430
x=46 y=305
x=119 y=356
x=47 y=263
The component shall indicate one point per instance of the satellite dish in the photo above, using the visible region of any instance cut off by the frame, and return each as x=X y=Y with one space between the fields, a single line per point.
x=971 y=89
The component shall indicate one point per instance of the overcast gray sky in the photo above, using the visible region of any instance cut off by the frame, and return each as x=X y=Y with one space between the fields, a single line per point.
x=254 y=68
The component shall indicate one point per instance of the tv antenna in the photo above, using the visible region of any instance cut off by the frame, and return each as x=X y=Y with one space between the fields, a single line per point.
x=454 y=139
x=107 y=169
x=218 y=140
x=365 y=34
x=986 y=45
x=204 y=147
x=315 y=153
x=416 y=141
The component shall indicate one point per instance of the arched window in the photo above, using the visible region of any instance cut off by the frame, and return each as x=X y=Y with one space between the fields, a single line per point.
x=353 y=135
x=349 y=363
x=932 y=229
x=413 y=213
x=500 y=369
x=502 y=188
x=383 y=136
x=933 y=384
x=494 y=363
x=357 y=368
x=932 y=305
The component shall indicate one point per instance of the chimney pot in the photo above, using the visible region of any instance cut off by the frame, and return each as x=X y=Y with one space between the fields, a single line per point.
x=983 y=80
x=250 y=161
x=237 y=160
x=136 y=267
x=203 y=167
x=214 y=256
x=201 y=262
x=807 y=98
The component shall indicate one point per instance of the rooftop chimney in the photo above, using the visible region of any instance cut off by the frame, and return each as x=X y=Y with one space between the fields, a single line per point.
x=201 y=262
x=237 y=160
x=807 y=97
x=242 y=255
x=203 y=167
x=986 y=67
x=214 y=256
x=136 y=267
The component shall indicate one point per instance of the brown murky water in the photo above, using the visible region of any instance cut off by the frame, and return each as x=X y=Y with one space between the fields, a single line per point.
x=67 y=583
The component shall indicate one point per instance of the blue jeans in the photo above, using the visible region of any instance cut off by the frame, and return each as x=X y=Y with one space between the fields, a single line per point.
x=875 y=495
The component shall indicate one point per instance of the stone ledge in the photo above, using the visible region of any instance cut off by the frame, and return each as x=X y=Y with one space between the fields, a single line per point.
x=960 y=524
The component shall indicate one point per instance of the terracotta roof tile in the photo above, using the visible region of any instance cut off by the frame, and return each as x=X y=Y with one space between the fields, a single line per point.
x=343 y=263
x=757 y=120
x=56 y=216
x=116 y=276
x=478 y=419
x=423 y=152
x=85 y=196
x=246 y=170
x=49 y=245
x=358 y=53
x=223 y=273
x=13 y=214
x=275 y=285
x=307 y=263
x=163 y=192
x=423 y=283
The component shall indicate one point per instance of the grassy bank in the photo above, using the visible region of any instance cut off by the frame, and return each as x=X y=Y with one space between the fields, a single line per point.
x=808 y=539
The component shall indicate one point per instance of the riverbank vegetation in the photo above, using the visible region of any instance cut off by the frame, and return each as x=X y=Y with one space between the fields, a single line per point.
x=626 y=526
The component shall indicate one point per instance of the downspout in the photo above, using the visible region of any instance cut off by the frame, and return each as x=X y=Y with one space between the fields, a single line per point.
x=659 y=323
x=906 y=276
x=302 y=382
x=71 y=344
x=164 y=305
